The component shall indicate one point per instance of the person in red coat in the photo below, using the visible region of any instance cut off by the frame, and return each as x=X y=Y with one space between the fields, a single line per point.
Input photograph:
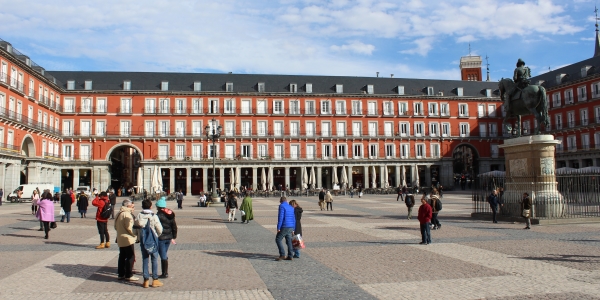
x=425 y=214
x=102 y=223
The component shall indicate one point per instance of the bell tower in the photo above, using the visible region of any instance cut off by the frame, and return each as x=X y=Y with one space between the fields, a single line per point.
x=470 y=68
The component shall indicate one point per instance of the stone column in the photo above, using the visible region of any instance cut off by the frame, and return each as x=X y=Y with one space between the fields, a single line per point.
x=205 y=183
x=172 y=180
x=349 y=175
x=254 y=178
x=319 y=182
x=75 y=178
x=381 y=176
x=221 y=179
x=287 y=176
x=188 y=181
x=366 y=178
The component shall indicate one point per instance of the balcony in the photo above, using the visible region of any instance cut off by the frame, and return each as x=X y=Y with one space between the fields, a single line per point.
x=9 y=115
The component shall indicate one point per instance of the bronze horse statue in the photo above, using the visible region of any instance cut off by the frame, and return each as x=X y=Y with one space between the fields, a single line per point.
x=531 y=100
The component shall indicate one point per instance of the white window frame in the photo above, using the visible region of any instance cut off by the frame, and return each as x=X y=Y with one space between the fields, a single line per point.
x=325 y=107
x=278 y=107
x=435 y=150
x=85 y=128
x=370 y=89
x=390 y=151
x=101 y=105
x=180 y=151
x=404 y=150
x=418 y=108
x=261 y=106
x=163 y=151
x=464 y=130
x=582 y=93
x=340 y=107
x=404 y=129
x=229 y=106
x=420 y=151
x=373 y=151
x=569 y=99
x=434 y=129
x=125 y=105
x=340 y=127
x=356 y=107
x=294 y=128
x=196 y=151
x=100 y=128
x=326 y=151
x=433 y=108
x=164 y=128
x=125 y=127
x=556 y=101
x=180 y=128
x=388 y=129
x=325 y=132
x=197 y=105
x=149 y=128
x=480 y=110
x=419 y=129
x=311 y=129
x=388 y=108
x=463 y=110
x=341 y=151
x=309 y=107
x=357 y=151
x=373 y=128
x=278 y=129
x=246 y=128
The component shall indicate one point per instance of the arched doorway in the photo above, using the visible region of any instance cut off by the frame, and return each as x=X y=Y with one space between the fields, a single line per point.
x=28 y=147
x=125 y=161
x=466 y=160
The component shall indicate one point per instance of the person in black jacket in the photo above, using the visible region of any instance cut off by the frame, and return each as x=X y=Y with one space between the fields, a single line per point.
x=65 y=203
x=168 y=236
x=298 y=214
x=82 y=204
x=113 y=201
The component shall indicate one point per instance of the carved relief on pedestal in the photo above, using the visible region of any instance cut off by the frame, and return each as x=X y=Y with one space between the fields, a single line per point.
x=547 y=165
x=518 y=167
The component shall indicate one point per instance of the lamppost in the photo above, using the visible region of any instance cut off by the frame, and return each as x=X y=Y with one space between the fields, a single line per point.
x=213 y=132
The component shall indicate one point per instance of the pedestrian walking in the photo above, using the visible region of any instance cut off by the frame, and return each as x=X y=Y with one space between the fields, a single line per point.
x=126 y=238
x=65 y=204
x=409 y=200
x=168 y=236
x=494 y=202
x=1 y=196
x=526 y=206
x=231 y=206
x=436 y=207
x=179 y=197
x=246 y=209
x=399 y=191
x=102 y=223
x=34 y=198
x=145 y=216
x=82 y=204
x=322 y=199
x=298 y=214
x=351 y=193
x=424 y=216
x=113 y=201
x=286 y=223
x=329 y=200
x=45 y=212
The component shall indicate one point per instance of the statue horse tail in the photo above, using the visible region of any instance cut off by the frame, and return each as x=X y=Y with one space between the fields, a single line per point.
x=543 y=105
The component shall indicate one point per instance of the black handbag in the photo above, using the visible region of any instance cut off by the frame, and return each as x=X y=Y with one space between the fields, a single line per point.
x=52 y=225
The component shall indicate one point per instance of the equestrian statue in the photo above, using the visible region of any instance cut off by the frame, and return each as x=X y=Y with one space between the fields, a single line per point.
x=520 y=98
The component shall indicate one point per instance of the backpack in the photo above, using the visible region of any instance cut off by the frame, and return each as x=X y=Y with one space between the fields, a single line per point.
x=106 y=210
x=409 y=201
x=438 y=205
x=149 y=238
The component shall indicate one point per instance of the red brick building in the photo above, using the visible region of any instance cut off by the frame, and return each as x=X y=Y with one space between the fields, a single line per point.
x=109 y=128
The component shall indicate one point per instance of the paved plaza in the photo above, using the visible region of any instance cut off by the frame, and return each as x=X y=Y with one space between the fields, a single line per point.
x=363 y=249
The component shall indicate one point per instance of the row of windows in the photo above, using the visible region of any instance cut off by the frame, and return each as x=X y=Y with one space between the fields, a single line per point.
x=584 y=142
x=571 y=121
x=15 y=107
x=153 y=128
x=277 y=106
x=582 y=95
x=16 y=80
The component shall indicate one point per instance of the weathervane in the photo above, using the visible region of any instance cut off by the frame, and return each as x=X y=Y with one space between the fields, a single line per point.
x=596 y=12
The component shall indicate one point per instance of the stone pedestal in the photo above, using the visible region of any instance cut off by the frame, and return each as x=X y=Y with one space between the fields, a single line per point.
x=530 y=168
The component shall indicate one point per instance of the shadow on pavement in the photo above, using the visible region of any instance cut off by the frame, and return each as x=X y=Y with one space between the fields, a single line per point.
x=260 y=256
x=567 y=258
x=69 y=244
x=26 y=236
x=96 y=273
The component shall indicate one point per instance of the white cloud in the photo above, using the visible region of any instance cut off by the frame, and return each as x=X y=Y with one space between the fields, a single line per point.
x=466 y=39
x=355 y=47
x=423 y=46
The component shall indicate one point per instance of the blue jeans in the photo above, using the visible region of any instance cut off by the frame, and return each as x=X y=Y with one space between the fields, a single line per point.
x=145 y=256
x=163 y=247
x=68 y=215
x=287 y=233
x=297 y=253
x=426 y=233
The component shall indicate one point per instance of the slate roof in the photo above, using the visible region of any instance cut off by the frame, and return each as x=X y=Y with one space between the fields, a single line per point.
x=247 y=83
x=572 y=73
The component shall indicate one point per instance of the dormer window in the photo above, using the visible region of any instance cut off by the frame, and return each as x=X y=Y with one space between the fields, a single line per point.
x=400 y=90
x=430 y=91
x=370 y=89
x=164 y=86
x=70 y=84
x=88 y=85
x=197 y=86
x=229 y=86
x=559 y=78
x=126 y=85
x=488 y=93
x=339 y=88
x=584 y=71
x=459 y=92
x=260 y=87
x=308 y=87
x=293 y=88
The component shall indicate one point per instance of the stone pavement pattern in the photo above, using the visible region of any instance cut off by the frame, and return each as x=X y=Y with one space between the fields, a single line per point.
x=364 y=249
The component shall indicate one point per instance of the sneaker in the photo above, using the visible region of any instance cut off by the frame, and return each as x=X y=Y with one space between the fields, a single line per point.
x=132 y=278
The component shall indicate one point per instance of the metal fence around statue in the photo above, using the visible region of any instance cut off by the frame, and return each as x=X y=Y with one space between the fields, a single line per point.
x=572 y=196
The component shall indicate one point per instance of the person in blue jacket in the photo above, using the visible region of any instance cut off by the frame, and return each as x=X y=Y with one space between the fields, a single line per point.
x=494 y=201
x=286 y=223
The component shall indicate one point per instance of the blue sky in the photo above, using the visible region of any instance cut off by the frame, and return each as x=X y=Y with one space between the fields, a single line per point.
x=410 y=39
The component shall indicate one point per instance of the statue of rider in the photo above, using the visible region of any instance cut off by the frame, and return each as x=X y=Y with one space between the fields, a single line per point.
x=521 y=79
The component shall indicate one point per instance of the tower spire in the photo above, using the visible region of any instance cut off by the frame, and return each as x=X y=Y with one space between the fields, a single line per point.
x=597 y=44
x=487 y=64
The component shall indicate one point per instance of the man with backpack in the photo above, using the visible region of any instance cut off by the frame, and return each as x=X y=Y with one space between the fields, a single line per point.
x=179 y=197
x=150 y=229
x=102 y=215
x=436 y=206
x=409 y=200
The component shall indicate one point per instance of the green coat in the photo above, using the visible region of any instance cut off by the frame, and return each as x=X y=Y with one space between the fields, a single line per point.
x=247 y=207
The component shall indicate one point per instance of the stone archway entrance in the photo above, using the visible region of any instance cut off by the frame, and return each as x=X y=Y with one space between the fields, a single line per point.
x=125 y=161
x=27 y=150
x=466 y=160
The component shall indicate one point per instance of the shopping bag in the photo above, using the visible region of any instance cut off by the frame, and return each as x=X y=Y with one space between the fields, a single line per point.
x=243 y=213
x=298 y=242
x=62 y=212
x=227 y=210
x=360 y=194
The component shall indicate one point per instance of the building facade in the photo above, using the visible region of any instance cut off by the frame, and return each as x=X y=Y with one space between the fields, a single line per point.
x=113 y=128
